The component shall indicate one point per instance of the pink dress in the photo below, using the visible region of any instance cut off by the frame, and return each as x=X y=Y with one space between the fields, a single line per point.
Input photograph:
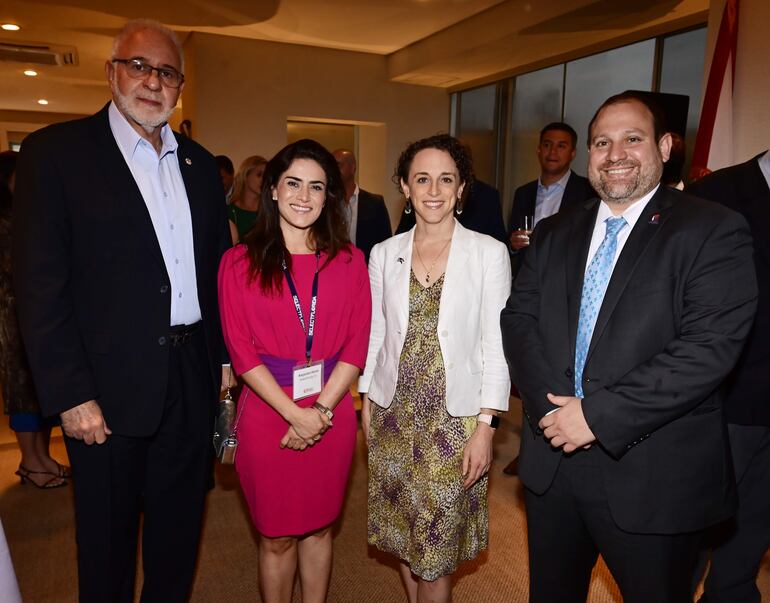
x=289 y=492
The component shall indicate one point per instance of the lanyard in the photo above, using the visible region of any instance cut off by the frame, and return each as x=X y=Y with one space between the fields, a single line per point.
x=313 y=302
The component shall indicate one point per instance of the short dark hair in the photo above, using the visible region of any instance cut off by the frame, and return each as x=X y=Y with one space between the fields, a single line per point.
x=672 y=169
x=442 y=142
x=646 y=99
x=562 y=127
x=225 y=163
x=264 y=242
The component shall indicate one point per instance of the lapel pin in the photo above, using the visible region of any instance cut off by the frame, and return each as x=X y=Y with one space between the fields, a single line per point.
x=655 y=219
x=188 y=161
x=400 y=260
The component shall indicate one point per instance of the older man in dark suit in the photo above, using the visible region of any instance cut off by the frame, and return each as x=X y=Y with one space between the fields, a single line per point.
x=625 y=318
x=741 y=544
x=119 y=227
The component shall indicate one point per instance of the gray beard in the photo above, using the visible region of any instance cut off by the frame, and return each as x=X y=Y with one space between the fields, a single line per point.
x=146 y=122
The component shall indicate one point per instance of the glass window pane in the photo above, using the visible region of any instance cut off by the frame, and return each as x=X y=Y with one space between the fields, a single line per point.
x=682 y=73
x=536 y=102
x=477 y=128
x=590 y=81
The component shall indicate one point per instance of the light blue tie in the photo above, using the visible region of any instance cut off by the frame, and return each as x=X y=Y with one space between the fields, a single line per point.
x=594 y=285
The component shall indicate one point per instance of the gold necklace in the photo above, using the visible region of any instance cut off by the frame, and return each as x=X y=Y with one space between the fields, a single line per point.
x=427 y=270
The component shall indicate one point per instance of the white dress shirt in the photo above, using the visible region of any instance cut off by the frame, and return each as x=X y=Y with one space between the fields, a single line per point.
x=351 y=212
x=764 y=165
x=162 y=187
x=548 y=199
x=631 y=214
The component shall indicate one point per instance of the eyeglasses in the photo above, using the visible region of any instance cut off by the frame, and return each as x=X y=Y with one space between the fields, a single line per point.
x=139 y=70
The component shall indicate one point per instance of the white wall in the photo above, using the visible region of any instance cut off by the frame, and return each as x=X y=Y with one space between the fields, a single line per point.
x=239 y=94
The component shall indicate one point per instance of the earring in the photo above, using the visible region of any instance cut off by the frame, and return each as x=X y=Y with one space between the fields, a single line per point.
x=408 y=207
x=459 y=207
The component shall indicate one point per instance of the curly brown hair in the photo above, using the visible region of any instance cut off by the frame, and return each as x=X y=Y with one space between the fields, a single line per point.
x=442 y=142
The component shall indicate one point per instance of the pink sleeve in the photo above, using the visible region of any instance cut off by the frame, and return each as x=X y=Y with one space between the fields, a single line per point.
x=359 y=302
x=233 y=281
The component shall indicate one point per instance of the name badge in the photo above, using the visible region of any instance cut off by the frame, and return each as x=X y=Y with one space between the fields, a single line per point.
x=308 y=379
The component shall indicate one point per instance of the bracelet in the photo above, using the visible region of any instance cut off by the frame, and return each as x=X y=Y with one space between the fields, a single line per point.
x=492 y=420
x=324 y=410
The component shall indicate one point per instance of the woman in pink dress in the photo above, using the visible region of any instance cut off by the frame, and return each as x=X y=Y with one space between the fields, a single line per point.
x=296 y=309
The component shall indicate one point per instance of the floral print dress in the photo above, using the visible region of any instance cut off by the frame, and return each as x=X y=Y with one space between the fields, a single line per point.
x=418 y=509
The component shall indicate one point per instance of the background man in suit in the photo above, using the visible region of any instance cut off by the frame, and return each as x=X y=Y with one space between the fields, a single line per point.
x=119 y=228
x=741 y=544
x=368 y=217
x=557 y=188
x=226 y=174
x=632 y=310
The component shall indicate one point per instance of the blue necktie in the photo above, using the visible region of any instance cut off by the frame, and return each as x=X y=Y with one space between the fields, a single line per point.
x=594 y=285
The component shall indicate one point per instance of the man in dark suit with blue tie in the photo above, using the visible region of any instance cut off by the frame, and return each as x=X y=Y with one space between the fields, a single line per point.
x=119 y=225
x=625 y=318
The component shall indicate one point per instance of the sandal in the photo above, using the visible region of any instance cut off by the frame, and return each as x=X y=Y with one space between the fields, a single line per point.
x=26 y=476
x=62 y=471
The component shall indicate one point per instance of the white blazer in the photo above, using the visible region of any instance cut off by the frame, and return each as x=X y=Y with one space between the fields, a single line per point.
x=477 y=283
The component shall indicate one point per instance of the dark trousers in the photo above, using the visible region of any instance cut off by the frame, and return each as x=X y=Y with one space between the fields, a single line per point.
x=740 y=544
x=571 y=524
x=163 y=476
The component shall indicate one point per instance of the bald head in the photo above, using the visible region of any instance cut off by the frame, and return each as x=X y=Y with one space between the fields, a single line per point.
x=347 y=164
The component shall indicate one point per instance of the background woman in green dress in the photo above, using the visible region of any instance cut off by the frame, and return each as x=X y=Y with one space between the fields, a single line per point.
x=244 y=202
x=435 y=375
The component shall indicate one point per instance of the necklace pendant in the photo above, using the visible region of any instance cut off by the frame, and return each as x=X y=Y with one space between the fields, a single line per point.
x=427 y=278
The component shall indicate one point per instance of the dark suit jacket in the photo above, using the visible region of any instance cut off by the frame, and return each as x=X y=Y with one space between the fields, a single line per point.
x=578 y=189
x=744 y=189
x=482 y=213
x=674 y=318
x=94 y=296
x=373 y=224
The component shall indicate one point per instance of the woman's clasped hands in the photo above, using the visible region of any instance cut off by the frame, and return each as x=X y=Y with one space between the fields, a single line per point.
x=307 y=425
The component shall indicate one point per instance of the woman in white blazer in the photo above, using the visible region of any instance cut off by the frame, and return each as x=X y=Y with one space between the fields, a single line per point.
x=435 y=376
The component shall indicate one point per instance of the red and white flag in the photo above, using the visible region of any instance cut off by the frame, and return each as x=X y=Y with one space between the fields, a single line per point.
x=714 y=141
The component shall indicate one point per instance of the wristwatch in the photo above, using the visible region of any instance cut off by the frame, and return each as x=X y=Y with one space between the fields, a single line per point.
x=492 y=420
x=324 y=411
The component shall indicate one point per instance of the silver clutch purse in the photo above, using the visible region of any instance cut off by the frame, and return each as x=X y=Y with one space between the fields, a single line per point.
x=225 y=427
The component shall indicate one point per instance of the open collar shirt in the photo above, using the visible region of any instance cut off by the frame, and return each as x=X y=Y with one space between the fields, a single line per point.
x=159 y=179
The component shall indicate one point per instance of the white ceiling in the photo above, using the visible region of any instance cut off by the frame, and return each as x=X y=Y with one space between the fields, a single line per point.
x=430 y=42
x=376 y=26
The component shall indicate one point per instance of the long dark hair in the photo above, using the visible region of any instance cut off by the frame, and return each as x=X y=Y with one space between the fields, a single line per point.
x=265 y=246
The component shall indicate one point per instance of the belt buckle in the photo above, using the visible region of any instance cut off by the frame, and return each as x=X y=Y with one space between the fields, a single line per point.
x=179 y=339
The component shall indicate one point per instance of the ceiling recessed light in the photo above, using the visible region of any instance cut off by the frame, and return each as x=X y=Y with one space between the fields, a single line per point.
x=10 y=27
x=42 y=101
x=30 y=72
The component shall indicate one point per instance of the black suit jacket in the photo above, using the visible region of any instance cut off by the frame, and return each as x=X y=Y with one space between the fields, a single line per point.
x=744 y=189
x=677 y=310
x=577 y=191
x=94 y=296
x=373 y=224
x=482 y=213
